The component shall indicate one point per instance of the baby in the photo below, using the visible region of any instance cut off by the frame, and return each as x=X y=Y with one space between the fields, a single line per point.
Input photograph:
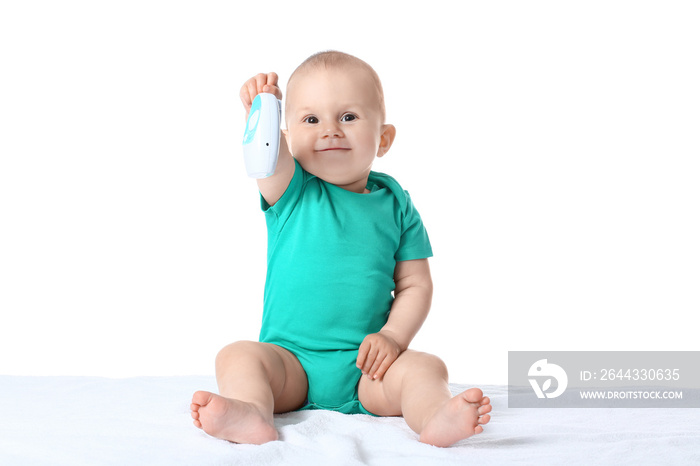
x=348 y=284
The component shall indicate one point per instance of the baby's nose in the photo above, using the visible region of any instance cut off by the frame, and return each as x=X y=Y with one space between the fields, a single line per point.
x=332 y=130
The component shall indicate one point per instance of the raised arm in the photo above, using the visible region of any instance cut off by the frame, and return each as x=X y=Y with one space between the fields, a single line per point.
x=412 y=298
x=273 y=186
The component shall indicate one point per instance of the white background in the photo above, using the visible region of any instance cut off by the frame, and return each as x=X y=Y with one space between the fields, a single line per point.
x=552 y=149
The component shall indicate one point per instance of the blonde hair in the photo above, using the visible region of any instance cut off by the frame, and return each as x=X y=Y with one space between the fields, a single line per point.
x=334 y=59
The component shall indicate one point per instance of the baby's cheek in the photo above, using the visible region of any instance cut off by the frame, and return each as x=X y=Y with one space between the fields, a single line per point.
x=300 y=145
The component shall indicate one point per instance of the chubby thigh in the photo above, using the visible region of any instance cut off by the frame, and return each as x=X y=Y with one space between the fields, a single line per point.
x=262 y=372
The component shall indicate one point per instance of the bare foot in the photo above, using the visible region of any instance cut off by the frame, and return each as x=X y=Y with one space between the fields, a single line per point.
x=459 y=418
x=232 y=420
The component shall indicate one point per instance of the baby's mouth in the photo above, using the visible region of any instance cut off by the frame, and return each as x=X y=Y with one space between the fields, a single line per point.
x=329 y=149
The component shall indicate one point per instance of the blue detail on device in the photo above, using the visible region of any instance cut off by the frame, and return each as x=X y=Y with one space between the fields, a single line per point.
x=261 y=139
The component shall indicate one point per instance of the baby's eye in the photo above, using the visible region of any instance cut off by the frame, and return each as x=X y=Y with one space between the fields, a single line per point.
x=311 y=119
x=348 y=117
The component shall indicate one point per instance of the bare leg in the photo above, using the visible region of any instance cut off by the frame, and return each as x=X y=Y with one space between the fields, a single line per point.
x=255 y=380
x=415 y=386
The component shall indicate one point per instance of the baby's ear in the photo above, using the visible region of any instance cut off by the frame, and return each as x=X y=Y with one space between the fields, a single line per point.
x=387 y=139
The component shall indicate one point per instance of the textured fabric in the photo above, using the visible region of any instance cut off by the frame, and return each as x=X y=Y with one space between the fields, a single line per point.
x=90 y=421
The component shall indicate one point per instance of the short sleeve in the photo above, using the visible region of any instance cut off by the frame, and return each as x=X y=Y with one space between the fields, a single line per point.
x=277 y=214
x=414 y=243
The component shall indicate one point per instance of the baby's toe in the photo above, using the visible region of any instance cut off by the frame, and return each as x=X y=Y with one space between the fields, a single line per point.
x=474 y=395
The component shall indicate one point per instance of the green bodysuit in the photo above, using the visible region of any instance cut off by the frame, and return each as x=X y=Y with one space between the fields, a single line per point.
x=331 y=256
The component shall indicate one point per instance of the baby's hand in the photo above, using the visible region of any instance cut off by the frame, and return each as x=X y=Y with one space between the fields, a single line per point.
x=378 y=352
x=256 y=85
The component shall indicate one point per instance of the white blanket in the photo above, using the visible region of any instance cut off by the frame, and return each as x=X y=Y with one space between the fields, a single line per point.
x=97 y=421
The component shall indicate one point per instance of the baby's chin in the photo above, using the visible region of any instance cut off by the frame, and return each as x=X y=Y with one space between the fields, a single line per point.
x=345 y=175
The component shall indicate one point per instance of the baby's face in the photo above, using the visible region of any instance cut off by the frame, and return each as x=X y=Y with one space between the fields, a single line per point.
x=334 y=126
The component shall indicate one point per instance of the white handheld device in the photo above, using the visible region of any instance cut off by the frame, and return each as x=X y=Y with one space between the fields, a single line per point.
x=261 y=141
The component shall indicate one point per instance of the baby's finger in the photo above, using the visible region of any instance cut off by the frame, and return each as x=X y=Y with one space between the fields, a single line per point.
x=369 y=362
x=362 y=354
x=272 y=78
x=386 y=364
x=248 y=93
x=245 y=97
x=274 y=90
x=271 y=86
x=252 y=86
x=260 y=82
x=373 y=372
